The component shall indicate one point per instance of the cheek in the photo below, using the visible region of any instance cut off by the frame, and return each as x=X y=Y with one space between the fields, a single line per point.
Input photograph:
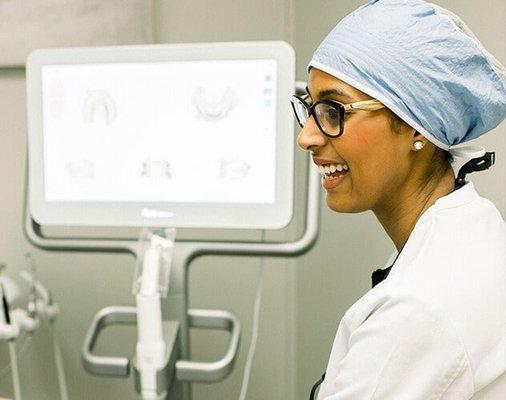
x=368 y=150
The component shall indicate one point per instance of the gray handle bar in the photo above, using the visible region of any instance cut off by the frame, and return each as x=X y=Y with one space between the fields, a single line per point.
x=211 y=371
x=100 y=365
x=185 y=370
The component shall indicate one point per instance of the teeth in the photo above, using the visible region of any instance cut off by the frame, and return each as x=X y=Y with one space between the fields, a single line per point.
x=331 y=168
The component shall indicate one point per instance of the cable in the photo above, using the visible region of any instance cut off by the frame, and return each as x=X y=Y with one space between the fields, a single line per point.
x=254 y=333
x=59 y=364
x=23 y=351
x=15 y=371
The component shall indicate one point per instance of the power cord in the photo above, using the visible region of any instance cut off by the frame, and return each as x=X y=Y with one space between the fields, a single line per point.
x=255 y=326
x=21 y=354
x=15 y=370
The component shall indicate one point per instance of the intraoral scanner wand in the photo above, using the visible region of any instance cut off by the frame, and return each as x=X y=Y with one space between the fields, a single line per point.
x=151 y=347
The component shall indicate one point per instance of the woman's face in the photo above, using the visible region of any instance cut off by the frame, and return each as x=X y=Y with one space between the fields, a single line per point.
x=378 y=159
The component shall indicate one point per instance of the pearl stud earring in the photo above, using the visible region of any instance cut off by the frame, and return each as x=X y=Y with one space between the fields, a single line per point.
x=418 y=145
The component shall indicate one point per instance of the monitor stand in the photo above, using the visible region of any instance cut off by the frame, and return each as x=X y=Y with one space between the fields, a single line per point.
x=178 y=318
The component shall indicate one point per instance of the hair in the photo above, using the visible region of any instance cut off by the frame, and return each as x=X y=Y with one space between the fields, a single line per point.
x=443 y=157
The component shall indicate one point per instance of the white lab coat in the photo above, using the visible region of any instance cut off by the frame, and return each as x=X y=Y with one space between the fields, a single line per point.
x=435 y=328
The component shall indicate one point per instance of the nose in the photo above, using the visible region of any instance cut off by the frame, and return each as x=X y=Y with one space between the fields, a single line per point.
x=310 y=137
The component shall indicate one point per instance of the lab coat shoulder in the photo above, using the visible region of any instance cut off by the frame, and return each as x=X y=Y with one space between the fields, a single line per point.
x=460 y=269
x=396 y=344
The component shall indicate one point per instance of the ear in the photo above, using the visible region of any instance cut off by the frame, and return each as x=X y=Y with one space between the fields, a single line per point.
x=418 y=141
x=418 y=137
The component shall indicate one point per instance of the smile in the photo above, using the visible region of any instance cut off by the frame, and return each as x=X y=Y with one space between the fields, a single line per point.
x=329 y=169
x=333 y=174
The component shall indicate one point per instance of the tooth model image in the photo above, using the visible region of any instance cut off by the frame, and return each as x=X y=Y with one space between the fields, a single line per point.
x=156 y=169
x=81 y=170
x=213 y=109
x=234 y=170
x=99 y=104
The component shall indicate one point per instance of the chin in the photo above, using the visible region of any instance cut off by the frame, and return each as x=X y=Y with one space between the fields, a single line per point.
x=343 y=206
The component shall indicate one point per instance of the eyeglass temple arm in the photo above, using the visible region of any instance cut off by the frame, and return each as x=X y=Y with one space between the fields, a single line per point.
x=369 y=105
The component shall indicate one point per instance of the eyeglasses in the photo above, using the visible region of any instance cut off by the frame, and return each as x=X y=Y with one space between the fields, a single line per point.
x=329 y=114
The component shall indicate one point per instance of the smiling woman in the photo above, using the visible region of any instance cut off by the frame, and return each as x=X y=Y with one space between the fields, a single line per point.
x=383 y=144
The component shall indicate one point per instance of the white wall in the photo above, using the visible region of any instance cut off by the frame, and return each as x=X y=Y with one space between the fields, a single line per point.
x=303 y=299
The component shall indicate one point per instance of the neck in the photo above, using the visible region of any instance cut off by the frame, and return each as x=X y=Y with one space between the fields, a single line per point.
x=400 y=216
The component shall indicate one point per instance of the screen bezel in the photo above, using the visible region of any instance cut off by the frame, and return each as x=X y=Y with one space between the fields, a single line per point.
x=194 y=215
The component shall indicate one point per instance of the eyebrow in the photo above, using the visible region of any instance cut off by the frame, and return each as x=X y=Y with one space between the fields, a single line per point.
x=330 y=92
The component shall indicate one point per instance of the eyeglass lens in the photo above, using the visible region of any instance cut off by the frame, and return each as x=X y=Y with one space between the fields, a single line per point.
x=301 y=111
x=327 y=116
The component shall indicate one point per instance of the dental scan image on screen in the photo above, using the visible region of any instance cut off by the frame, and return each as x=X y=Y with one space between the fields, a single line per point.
x=192 y=132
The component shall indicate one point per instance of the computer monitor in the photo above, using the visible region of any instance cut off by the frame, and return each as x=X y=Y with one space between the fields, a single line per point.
x=193 y=135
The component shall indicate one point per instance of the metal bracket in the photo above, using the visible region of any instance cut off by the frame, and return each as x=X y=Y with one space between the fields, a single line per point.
x=185 y=370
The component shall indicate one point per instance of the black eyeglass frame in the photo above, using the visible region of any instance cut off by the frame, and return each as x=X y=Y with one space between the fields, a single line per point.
x=365 y=105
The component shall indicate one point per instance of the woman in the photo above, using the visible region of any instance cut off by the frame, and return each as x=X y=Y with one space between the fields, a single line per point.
x=392 y=89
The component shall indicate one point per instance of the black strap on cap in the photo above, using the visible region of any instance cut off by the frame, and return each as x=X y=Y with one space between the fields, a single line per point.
x=473 y=165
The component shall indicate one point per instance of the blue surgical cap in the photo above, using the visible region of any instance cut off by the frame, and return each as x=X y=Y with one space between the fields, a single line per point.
x=423 y=63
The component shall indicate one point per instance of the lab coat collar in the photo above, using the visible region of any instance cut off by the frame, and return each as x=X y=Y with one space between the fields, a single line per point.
x=465 y=194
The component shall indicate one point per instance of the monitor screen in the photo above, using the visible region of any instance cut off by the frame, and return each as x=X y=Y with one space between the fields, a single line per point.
x=195 y=135
x=194 y=131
